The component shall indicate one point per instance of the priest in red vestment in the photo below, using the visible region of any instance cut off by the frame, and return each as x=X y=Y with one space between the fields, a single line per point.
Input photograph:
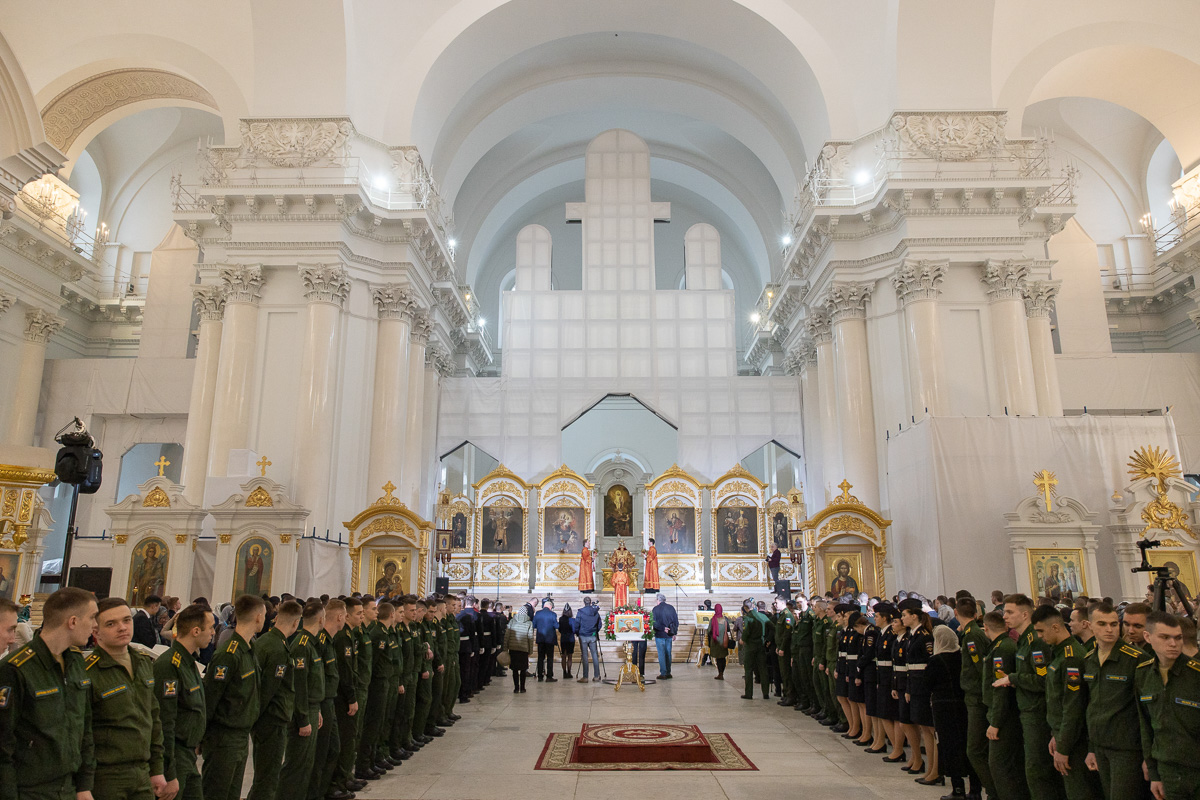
x=587 y=572
x=650 y=581
x=620 y=584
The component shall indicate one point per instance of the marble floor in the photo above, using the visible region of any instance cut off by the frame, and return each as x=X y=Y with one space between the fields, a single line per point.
x=490 y=753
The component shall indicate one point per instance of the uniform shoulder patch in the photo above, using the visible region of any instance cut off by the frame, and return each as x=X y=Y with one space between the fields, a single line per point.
x=90 y=661
x=1194 y=664
x=170 y=688
x=21 y=656
x=1132 y=651
x=220 y=674
x=1146 y=663
x=304 y=639
x=280 y=670
x=1068 y=652
x=5 y=694
x=176 y=659
x=232 y=646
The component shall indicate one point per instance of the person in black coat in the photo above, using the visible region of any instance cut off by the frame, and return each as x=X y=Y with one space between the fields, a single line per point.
x=944 y=674
x=145 y=628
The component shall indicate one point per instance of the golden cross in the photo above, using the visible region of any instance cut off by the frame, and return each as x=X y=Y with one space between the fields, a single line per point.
x=388 y=488
x=262 y=464
x=1045 y=483
x=162 y=464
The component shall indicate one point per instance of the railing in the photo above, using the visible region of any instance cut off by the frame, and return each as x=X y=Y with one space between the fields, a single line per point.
x=62 y=221
x=1185 y=220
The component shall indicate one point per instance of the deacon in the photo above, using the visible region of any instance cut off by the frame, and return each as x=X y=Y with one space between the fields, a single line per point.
x=181 y=700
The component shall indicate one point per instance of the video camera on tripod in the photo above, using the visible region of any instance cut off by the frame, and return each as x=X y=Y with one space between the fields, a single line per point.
x=79 y=464
x=1162 y=580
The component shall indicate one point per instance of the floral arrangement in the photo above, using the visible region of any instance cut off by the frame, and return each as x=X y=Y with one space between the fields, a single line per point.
x=610 y=622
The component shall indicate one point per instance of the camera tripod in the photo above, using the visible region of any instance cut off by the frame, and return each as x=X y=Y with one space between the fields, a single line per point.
x=1162 y=581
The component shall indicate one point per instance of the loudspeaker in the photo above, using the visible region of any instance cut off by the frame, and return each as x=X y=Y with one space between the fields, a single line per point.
x=96 y=580
x=441 y=585
x=784 y=588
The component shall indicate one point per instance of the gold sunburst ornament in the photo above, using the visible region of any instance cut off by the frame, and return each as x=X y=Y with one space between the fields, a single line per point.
x=1160 y=513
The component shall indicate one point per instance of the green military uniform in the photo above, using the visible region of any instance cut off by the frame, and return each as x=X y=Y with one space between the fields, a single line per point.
x=381 y=673
x=1006 y=757
x=1066 y=712
x=1112 y=720
x=1170 y=724
x=399 y=731
x=276 y=696
x=181 y=713
x=802 y=652
x=308 y=682
x=126 y=728
x=325 y=758
x=346 y=645
x=362 y=637
x=754 y=633
x=1033 y=664
x=424 y=684
x=231 y=699
x=452 y=677
x=975 y=648
x=46 y=748
x=821 y=631
x=785 y=626
x=832 y=638
x=441 y=658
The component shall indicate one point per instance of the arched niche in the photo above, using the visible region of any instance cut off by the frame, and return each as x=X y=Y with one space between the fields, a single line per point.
x=389 y=548
x=846 y=531
x=738 y=546
x=673 y=520
x=501 y=546
x=564 y=525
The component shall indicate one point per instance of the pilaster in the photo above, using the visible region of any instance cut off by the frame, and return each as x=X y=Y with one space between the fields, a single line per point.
x=1005 y=285
x=918 y=285
x=241 y=285
x=1039 y=303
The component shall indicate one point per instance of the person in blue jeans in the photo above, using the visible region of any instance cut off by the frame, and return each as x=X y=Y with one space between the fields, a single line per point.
x=666 y=625
x=588 y=627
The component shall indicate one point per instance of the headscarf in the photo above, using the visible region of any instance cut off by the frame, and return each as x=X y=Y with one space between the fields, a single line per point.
x=945 y=640
x=718 y=616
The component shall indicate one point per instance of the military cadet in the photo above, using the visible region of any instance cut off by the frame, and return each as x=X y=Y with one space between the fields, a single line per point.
x=276 y=694
x=231 y=699
x=308 y=663
x=886 y=707
x=802 y=656
x=1005 y=752
x=468 y=646
x=433 y=637
x=349 y=658
x=483 y=622
x=785 y=625
x=425 y=681
x=366 y=655
x=826 y=715
x=181 y=700
x=754 y=633
x=841 y=672
x=1029 y=680
x=862 y=677
x=45 y=715
x=1169 y=701
x=1114 y=742
x=1081 y=628
x=126 y=728
x=453 y=674
x=394 y=725
x=1133 y=626
x=832 y=635
x=412 y=656
x=975 y=667
x=325 y=758
x=369 y=757
x=1066 y=704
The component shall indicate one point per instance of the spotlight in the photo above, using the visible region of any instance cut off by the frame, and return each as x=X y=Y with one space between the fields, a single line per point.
x=787 y=239
x=862 y=177
x=453 y=243
x=382 y=183
x=754 y=318
x=482 y=322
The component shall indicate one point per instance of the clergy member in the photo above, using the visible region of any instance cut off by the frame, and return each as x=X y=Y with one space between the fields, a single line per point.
x=587 y=572
x=620 y=583
x=650 y=581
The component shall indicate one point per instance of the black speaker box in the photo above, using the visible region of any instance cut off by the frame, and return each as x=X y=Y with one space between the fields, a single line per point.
x=441 y=585
x=783 y=588
x=96 y=580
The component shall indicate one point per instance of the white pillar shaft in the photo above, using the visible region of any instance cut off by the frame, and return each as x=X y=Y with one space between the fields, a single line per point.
x=810 y=406
x=231 y=405
x=389 y=410
x=429 y=474
x=200 y=410
x=831 y=446
x=27 y=388
x=856 y=409
x=926 y=374
x=410 y=486
x=1014 y=367
x=313 y=462
x=1045 y=369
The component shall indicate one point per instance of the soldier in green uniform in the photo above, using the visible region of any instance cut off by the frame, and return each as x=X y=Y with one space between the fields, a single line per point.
x=754 y=633
x=362 y=635
x=369 y=754
x=827 y=715
x=1109 y=672
x=409 y=639
x=181 y=700
x=308 y=663
x=1169 y=700
x=126 y=728
x=1066 y=704
x=425 y=682
x=276 y=695
x=975 y=667
x=347 y=644
x=435 y=610
x=785 y=626
x=453 y=673
x=45 y=715
x=231 y=699
x=833 y=632
x=802 y=652
x=1005 y=753
x=329 y=741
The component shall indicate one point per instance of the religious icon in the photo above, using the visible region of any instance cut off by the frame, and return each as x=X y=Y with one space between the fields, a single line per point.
x=779 y=530
x=458 y=532
x=844 y=572
x=737 y=531
x=629 y=627
x=1181 y=566
x=10 y=566
x=675 y=530
x=387 y=573
x=503 y=530
x=148 y=570
x=563 y=530
x=618 y=512
x=252 y=568
x=1057 y=574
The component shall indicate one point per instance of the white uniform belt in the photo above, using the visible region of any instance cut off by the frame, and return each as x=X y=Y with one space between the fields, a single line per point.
x=464 y=638
x=852 y=658
x=899 y=668
x=915 y=667
x=883 y=663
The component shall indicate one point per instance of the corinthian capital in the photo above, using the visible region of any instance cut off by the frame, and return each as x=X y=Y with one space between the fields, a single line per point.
x=393 y=301
x=6 y=301
x=1005 y=279
x=817 y=326
x=422 y=326
x=848 y=300
x=1039 y=298
x=242 y=283
x=210 y=301
x=41 y=325
x=919 y=280
x=325 y=283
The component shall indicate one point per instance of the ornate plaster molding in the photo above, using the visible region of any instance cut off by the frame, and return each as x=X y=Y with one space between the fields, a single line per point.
x=422 y=326
x=41 y=325
x=242 y=284
x=392 y=300
x=848 y=300
x=73 y=110
x=210 y=300
x=1039 y=298
x=818 y=326
x=325 y=283
x=950 y=136
x=1005 y=279
x=919 y=280
x=296 y=142
x=6 y=302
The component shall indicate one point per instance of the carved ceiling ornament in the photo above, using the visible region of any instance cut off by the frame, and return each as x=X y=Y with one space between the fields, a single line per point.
x=296 y=142
x=74 y=109
x=951 y=136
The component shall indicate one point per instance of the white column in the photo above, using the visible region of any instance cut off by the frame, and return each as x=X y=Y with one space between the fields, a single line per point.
x=325 y=287
x=810 y=415
x=832 y=471
x=436 y=359
x=231 y=405
x=1039 y=302
x=211 y=303
x=389 y=409
x=12 y=357
x=1010 y=336
x=27 y=382
x=410 y=477
x=917 y=289
x=847 y=306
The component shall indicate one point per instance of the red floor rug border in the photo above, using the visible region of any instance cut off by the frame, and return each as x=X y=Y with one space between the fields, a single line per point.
x=730 y=758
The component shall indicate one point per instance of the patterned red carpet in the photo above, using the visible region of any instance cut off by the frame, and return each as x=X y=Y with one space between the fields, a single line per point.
x=642 y=747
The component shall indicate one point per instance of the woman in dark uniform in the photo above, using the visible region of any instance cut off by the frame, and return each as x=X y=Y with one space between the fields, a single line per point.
x=920 y=710
x=863 y=690
x=886 y=710
x=841 y=684
x=908 y=732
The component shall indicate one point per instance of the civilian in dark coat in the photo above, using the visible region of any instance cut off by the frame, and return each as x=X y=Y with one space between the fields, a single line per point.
x=944 y=674
x=545 y=622
x=145 y=629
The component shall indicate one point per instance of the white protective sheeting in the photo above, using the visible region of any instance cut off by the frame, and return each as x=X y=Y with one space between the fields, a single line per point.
x=951 y=480
x=321 y=568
